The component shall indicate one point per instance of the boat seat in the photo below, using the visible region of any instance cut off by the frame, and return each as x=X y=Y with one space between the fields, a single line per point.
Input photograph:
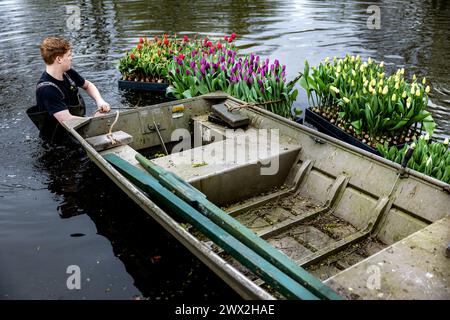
x=103 y=142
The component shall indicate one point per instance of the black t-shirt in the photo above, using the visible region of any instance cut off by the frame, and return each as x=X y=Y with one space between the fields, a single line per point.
x=49 y=98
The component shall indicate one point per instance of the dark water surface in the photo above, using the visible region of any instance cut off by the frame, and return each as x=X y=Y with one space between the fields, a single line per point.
x=57 y=209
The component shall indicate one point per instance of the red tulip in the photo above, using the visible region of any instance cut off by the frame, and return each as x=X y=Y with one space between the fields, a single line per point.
x=225 y=38
x=233 y=35
x=185 y=39
x=166 y=42
x=132 y=56
x=219 y=45
x=141 y=40
x=139 y=46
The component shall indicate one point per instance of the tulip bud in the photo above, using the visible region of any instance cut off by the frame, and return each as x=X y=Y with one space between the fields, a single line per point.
x=424 y=80
x=397 y=86
x=334 y=89
x=385 y=90
x=408 y=102
x=427 y=89
x=369 y=61
x=404 y=94
x=414 y=77
x=446 y=141
x=382 y=64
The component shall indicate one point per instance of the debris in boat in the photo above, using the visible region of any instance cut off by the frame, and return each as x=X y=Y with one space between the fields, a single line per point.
x=200 y=164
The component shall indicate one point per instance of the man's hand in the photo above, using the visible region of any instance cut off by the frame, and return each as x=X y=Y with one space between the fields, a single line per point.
x=103 y=106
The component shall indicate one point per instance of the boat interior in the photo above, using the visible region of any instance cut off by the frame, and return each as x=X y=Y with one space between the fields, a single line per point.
x=326 y=205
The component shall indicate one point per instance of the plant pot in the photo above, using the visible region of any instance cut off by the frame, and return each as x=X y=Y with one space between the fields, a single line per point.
x=324 y=126
x=144 y=86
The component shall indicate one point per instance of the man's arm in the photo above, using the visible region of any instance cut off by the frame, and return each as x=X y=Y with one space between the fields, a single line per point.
x=65 y=115
x=93 y=92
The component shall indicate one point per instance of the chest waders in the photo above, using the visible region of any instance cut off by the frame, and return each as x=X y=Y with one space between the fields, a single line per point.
x=47 y=125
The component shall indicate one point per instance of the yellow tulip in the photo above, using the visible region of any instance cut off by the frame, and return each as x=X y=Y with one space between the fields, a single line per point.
x=417 y=93
x=369 y=61
x=334 y=89
x=397 y=86
x=346 y=100
x=413 y=91
x=385 y=90
x=408 y=102
x=394 y=98
x=414 y=77
x=339 y=69
x=404 y=94
x=382 y=64
x=424 y=80
x=427 y=89
x=327 y=59
x=353 y=73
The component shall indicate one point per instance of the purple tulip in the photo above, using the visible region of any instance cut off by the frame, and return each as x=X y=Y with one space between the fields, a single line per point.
x=283 y=74
x=213 y=70
x=222 y=59
x=230 y=53
x=202 y=69
x=250 y=80
x=207 y=66
x=192 y=64
x=180 y=62
x=200 y=77
x=260 y=82
x=283 y=67
x=272 y=67
x=277 y=79
x=203 y=61
x=188 y=72
x=222 y=68
x=257 y=59
x=177 y=71
x=276 y=62
x=267 y=61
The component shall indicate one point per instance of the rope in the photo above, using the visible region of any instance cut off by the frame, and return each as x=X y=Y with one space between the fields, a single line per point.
x=233 y=105
x=110 y=135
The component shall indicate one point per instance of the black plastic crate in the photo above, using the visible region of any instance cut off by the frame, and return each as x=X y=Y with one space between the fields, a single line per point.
x=324 y=126
x=144 y=86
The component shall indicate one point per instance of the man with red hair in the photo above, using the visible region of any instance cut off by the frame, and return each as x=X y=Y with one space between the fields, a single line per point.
x=57 y=89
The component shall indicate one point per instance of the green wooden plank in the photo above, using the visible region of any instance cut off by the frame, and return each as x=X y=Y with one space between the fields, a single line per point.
x=170 y=202
x=198 y=200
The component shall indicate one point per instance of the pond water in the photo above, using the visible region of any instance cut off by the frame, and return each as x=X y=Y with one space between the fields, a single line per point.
x=57 y=209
